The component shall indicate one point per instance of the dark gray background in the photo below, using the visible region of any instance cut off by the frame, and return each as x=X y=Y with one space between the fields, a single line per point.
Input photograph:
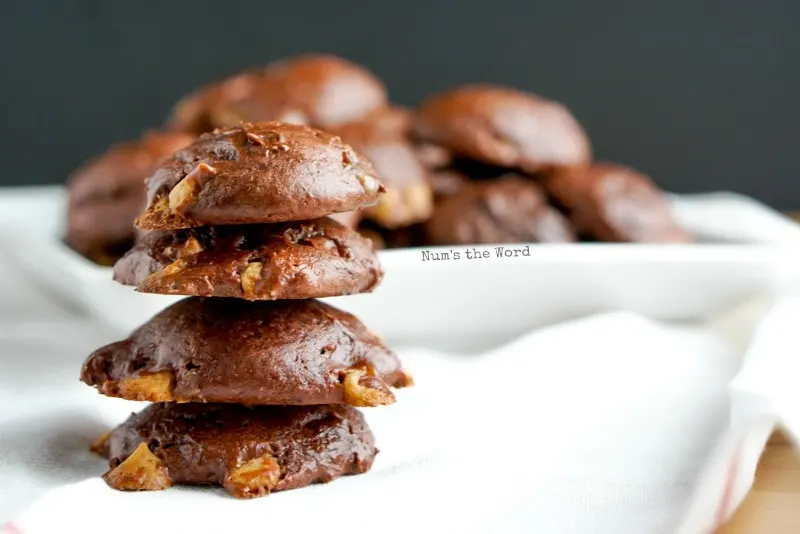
x=702 y=95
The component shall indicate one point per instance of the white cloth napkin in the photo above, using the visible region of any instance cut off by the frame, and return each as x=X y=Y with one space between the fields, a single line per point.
x=609 y=424
x=600 y=425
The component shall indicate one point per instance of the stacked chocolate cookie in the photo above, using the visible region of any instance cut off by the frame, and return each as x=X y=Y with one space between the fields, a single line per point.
x=254 y=381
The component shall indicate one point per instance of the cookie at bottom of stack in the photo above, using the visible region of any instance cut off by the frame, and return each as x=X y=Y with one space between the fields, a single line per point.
x=250 y=451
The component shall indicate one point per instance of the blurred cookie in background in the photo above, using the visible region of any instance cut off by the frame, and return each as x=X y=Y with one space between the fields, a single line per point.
x=510 y=209
x=503 y=127
x=195 y=112
x=611 y=202
x=385 y=238
x=108 y=192
x=408 y=198
x=313 y=90
x=447 y=182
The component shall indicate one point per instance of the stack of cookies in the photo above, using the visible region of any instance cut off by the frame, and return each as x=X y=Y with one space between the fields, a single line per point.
x=254 y=382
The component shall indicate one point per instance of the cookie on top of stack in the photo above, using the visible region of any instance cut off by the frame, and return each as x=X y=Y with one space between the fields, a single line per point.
x=521 y=170
x=254 y=381
x=325 y=91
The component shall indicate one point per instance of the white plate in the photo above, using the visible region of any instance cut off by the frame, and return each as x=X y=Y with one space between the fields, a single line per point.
x=472 y=303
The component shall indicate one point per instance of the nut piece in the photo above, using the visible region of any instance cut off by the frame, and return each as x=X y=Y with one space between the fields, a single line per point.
x=370 y=184
x=419 y=200
x=98 y=446
x=142 y=470
x=182 y=194
x=250 y=276
x=154 y=387
x=364 y=389
x=184 y=191
x=172 y=268
x=254 y=478
x=190 y=248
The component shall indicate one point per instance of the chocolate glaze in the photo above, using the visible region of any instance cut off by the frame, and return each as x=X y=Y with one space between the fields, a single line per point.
x=266 y=352
x=510 y=209
x=204 y=443
x=504 y=127
x=314 y=89
x=409 y=198
x=260 y=173
x=107 y=193
x=299 y=260
x=615 y=203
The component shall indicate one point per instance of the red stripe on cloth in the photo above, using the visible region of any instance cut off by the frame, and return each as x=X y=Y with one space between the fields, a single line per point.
x=725 y=503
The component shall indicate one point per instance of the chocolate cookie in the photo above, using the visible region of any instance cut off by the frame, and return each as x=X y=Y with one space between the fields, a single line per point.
x=504 y=127
x=391 y=120
x=448 y=182
x=408 y=198
x=292 y=352
x=510 y=209
x=296 y=260
x=258 y=173
x=434 y=157
x=107 y=193
x=615 y=203
x=195 y=113
x=315 y=90
x=249 y=451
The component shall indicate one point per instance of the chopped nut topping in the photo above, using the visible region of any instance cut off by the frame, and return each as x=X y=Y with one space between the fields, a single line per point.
x=250 y=276
x=182 y=194
x=190 y=248
x=370 y=184
x=142 y=470
x=254 y=478
x=364 y=389
x=256 y=139
x=273 y=137
x=153 y=387
x=347 y=159
x=185 y=191
x=174 y=267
